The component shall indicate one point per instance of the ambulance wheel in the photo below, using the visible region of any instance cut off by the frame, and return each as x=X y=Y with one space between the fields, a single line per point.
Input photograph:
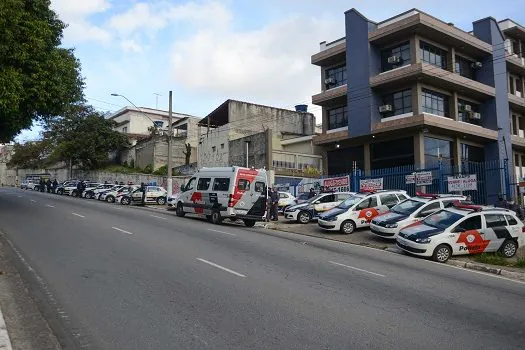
x=249 y=223
x=304 y=217
x=509 y=248
x=442 y=253
x=216 y=218
x=208 y=217
x=348 y=227
x=180 y=211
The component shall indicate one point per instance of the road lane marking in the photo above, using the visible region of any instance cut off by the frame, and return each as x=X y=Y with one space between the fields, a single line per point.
x=121 y=230
x=50 y=206
x=19 y=196
x=221 y=267
x=32 y=200
x=356 y=268
x=80 y=216
x=158 y=217
x=226 y=233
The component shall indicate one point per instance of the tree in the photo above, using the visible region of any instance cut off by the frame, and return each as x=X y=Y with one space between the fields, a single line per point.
x=83 y=136
x=187 y=153
x=38 y=79
x=29 y=155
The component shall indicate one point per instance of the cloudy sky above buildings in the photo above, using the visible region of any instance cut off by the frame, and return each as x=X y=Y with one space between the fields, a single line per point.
x=209 y=51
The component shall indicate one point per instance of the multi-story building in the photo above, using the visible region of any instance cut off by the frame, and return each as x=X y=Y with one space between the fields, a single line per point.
x=415 y=90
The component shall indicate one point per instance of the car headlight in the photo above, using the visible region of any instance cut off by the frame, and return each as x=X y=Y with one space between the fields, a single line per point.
x=423 y=240
x=290 y=210
x=332 y=218
x=391 y=225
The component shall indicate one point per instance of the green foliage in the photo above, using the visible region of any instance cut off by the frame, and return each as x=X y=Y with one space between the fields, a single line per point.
x=38 y=78
x=84 y=136
x=120 y=169
x=125 y=164
x=29 y=155
x=148 y=169
x=311 y=171
x=499 y=259
x=162 y=171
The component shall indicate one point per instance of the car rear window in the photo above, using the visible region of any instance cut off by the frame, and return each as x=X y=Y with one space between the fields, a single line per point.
x=511 y=220
x=495 y=220
x=243 y=185
x=221 y=184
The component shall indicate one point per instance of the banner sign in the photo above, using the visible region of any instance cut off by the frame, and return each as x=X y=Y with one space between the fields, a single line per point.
x=462 y=183
x=419 y=179
x=371 y=184
x=337 y=184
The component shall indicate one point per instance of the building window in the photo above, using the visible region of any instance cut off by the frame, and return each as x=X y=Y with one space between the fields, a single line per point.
x=437 y=150
x=472 y=153
x=213 y=148
x=519 y=87
x=125 y=129
x=340 y=161
x=512 y=87
x=222 y=145
x=401 y=102
x=398 y=56
x=433 y=55
x=434 y=103
x=464 y=68
x=337 y=118
x=335 y=76
x=390 y=154
x=468 y=112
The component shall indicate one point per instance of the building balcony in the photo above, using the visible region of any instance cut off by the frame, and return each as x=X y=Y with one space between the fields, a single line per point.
x=432 y=75
x=436 y=124
x=331 y=97
x=518 y=142
x=516 y=64
x=517 y=103
x=417 y=22
x=330 y=53
x=330 y=137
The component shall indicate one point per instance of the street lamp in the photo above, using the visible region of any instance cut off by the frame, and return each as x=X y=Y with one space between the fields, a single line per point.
x=134 y=105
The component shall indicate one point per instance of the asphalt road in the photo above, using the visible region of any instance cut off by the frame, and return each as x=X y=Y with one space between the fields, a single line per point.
x=126 y=278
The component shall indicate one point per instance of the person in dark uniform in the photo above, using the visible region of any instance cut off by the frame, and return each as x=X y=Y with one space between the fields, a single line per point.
x=311 y=194
x=143 y=189
x=274 y=196
x=41 y=185
x=48 y=185
x=55 y=185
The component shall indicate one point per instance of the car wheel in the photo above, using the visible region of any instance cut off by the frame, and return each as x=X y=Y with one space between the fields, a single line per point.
x=110 y=199
x=216 y=218
x=73 y=193
x=125 y=201
x=442 y=253
x=161 y=201
x=60 y=192
x=509 y=248
x=249 y=223
x=304 y=217
x=180 y=211
x=348 y=227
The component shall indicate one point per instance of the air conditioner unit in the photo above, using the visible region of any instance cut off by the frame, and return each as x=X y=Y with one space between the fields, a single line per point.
x=385 y=108
x=475 y=115
x=329 y=81
x=476 y=65
x=467 y=108
x=394 y=59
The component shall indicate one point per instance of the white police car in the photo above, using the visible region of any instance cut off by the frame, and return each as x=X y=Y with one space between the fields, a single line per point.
x=409 y=211
x=358 y=210
x=463 y=229
x=310 y=210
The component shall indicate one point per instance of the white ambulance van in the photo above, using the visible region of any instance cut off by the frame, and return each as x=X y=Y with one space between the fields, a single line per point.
x=225 y=193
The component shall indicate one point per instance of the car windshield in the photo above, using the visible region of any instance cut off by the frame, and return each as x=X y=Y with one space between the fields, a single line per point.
x=313 y=199
x=407 y=207
x=442 y=219
x=350 y=201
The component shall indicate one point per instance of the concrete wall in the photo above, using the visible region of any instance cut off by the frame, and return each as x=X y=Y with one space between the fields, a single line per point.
x=154 y=152
x=145 y=153
x=257 y=151
x=213 y=149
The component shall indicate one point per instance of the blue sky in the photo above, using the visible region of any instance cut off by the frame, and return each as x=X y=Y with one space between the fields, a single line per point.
x=209 y=51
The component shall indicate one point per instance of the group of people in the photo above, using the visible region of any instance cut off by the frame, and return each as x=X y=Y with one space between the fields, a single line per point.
x=48 y=185
x=274 y=202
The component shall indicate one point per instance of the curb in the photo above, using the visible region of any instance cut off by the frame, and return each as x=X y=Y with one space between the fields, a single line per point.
x=5 y=342
x=520 y=276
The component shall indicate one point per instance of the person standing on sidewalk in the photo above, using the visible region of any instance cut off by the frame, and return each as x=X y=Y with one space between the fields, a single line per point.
x=143 y=189
x=311 y=194
x=274 y=196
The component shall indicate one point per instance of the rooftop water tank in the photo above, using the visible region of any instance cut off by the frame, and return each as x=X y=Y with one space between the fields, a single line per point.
x=301 y=108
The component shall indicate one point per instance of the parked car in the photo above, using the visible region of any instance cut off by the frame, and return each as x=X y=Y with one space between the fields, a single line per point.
x=464 y=229
x=310 y=210
x=154 y=195
x=172 y=201
x=93 y=193
x=23 y=185
x=33 y=186
x=410 y=211
x=111 y=195
x=60 y=188
x=286 y=199
x=359 y=210
x=302 y=198
x=89 y=186
x=226 y=192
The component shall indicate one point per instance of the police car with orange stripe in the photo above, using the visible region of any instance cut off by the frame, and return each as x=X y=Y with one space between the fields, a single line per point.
x=463 y=229
x=410 y=211
x=358 y=210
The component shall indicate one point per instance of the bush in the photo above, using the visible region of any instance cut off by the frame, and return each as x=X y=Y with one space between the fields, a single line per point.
x=125 y=164
x=148 y=169
x=163 y=171
x=132 y=163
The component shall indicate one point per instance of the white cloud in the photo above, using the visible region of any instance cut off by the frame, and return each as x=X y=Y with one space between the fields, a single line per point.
x=76 y=13
x=270 y=65
x=152 y=17
x=129 y=45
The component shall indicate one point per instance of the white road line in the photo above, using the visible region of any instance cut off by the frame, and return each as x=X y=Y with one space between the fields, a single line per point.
x=221 y=267
x=226 y=233
x=5 y=342
x=158 y=217
x=357 y=269
x=80 y=216
x=19 y=196
x=121 y=230
x=32 y=200
x=50 y=206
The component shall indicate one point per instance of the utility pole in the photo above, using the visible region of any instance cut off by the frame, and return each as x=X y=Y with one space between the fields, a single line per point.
x=170 y=132
x=156 y=100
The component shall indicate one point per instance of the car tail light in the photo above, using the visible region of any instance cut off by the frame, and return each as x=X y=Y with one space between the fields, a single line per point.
x=523 y=229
